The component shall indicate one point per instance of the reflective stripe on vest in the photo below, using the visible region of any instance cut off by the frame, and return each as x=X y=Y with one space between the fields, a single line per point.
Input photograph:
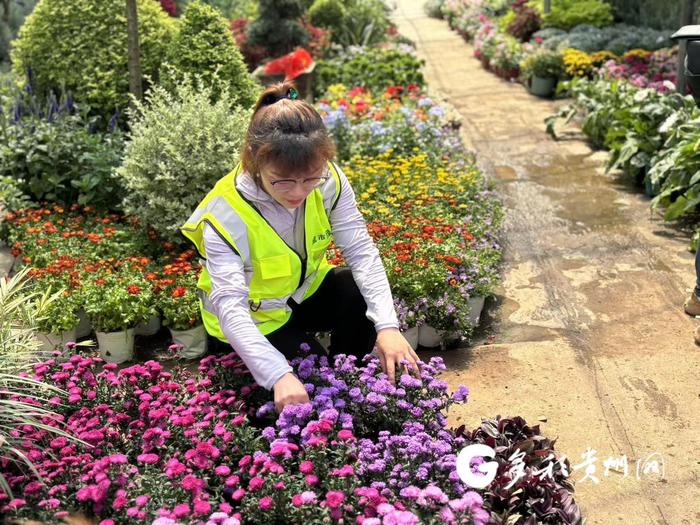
x=275 y=268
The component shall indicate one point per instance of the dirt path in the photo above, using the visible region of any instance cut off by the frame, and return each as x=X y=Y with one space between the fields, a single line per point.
x=590 y=333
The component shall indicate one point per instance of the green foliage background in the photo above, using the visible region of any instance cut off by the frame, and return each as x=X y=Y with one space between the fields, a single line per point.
x=204 y=46
x=82 y=45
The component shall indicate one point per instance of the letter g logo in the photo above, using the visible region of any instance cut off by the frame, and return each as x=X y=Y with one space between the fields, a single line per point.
x=488 y=469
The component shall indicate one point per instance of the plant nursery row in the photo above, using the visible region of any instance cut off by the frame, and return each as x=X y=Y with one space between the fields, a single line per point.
x=94 y=193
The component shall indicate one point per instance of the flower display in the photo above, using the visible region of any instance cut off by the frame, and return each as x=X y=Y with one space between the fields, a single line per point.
x=177 y=292
x=643 y=69
x=175 y=446
x=400 y=119
x=100 y=263
x=434 y=224
x=116 y=295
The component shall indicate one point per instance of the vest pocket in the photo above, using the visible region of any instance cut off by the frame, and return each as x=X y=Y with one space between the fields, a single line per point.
x=275 y=267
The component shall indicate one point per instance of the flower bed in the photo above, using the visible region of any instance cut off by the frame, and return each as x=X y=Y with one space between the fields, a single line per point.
x=621 y=51
x=434 y=224
x=104 y=264
x=403 y=119
x=182 y=448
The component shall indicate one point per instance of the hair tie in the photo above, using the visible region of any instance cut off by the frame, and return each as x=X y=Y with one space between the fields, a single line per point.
x=292 y=93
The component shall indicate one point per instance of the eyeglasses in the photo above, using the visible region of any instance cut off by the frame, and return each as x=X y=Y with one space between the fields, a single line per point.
x=309 y=184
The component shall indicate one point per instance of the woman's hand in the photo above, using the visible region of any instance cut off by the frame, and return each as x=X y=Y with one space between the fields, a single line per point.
x=393 y=348
x=289 y=391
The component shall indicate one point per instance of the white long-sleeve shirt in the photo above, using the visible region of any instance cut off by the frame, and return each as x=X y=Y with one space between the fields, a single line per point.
x=229 y=280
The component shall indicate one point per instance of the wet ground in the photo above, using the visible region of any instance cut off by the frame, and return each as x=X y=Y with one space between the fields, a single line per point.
x=589 y=336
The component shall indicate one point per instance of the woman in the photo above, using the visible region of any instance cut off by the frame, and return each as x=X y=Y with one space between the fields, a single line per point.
x=263 y=232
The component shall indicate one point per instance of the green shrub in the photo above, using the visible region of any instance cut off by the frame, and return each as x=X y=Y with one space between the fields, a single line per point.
x=433 y=8
x=9 y=25
x=55 y=154
x=373 y=68
x=543 y=63
x=278 y=27
x=328 y=14
x=204 y=46
x=82 y=45
x=181 y=144
x=11 y=195
x=566 y=14
x=366 y=23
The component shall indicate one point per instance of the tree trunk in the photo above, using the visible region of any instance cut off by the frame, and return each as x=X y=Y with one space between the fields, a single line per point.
x=687 y=9
x=135 y=85
x=547 y=6
x=6 y=11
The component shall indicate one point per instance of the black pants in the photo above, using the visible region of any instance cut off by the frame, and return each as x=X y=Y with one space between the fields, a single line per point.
x=336 y=307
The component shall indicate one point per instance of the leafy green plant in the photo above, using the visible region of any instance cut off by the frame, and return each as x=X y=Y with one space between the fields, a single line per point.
x=366 y=23
x=82 y=46
x=566 y=14
x=56 y=154
x=117 y=300
x=327 y=13
x=676 y=168
x=61 y=314
x=373 y=68
x=181 y=144
x=543 y=63
x=278 y=27
x=205 y=47
x=11 y=195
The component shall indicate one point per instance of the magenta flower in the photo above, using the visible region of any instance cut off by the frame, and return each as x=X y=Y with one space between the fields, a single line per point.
x=334 y=499
x=256 y=484
x=181 y=511
x=266 y=503
x=306 y=467
x=222 y=470
x=148 y=459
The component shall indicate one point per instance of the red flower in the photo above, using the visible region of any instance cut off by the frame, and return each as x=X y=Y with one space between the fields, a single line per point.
x=100 y=282
x=133 y=289
x=179 y=291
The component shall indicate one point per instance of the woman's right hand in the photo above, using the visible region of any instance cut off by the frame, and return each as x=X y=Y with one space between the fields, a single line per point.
x=289 y=391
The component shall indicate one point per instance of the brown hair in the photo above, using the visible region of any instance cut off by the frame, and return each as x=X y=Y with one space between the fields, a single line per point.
x=285 y=131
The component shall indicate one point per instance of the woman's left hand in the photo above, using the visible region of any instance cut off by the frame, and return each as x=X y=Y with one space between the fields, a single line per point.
x=393 y=348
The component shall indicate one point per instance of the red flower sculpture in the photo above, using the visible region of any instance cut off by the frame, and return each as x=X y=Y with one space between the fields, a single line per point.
x=292 y=65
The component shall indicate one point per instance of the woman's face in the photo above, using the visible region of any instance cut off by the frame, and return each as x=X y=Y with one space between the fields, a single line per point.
x=291 y=189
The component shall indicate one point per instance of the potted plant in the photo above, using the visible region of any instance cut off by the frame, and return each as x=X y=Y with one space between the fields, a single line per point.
x=542 y=70
x=116 y=300
x=59 y=324
x=177 y=299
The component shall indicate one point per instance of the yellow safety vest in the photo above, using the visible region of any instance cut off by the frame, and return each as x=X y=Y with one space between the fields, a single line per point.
x=278 y=272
